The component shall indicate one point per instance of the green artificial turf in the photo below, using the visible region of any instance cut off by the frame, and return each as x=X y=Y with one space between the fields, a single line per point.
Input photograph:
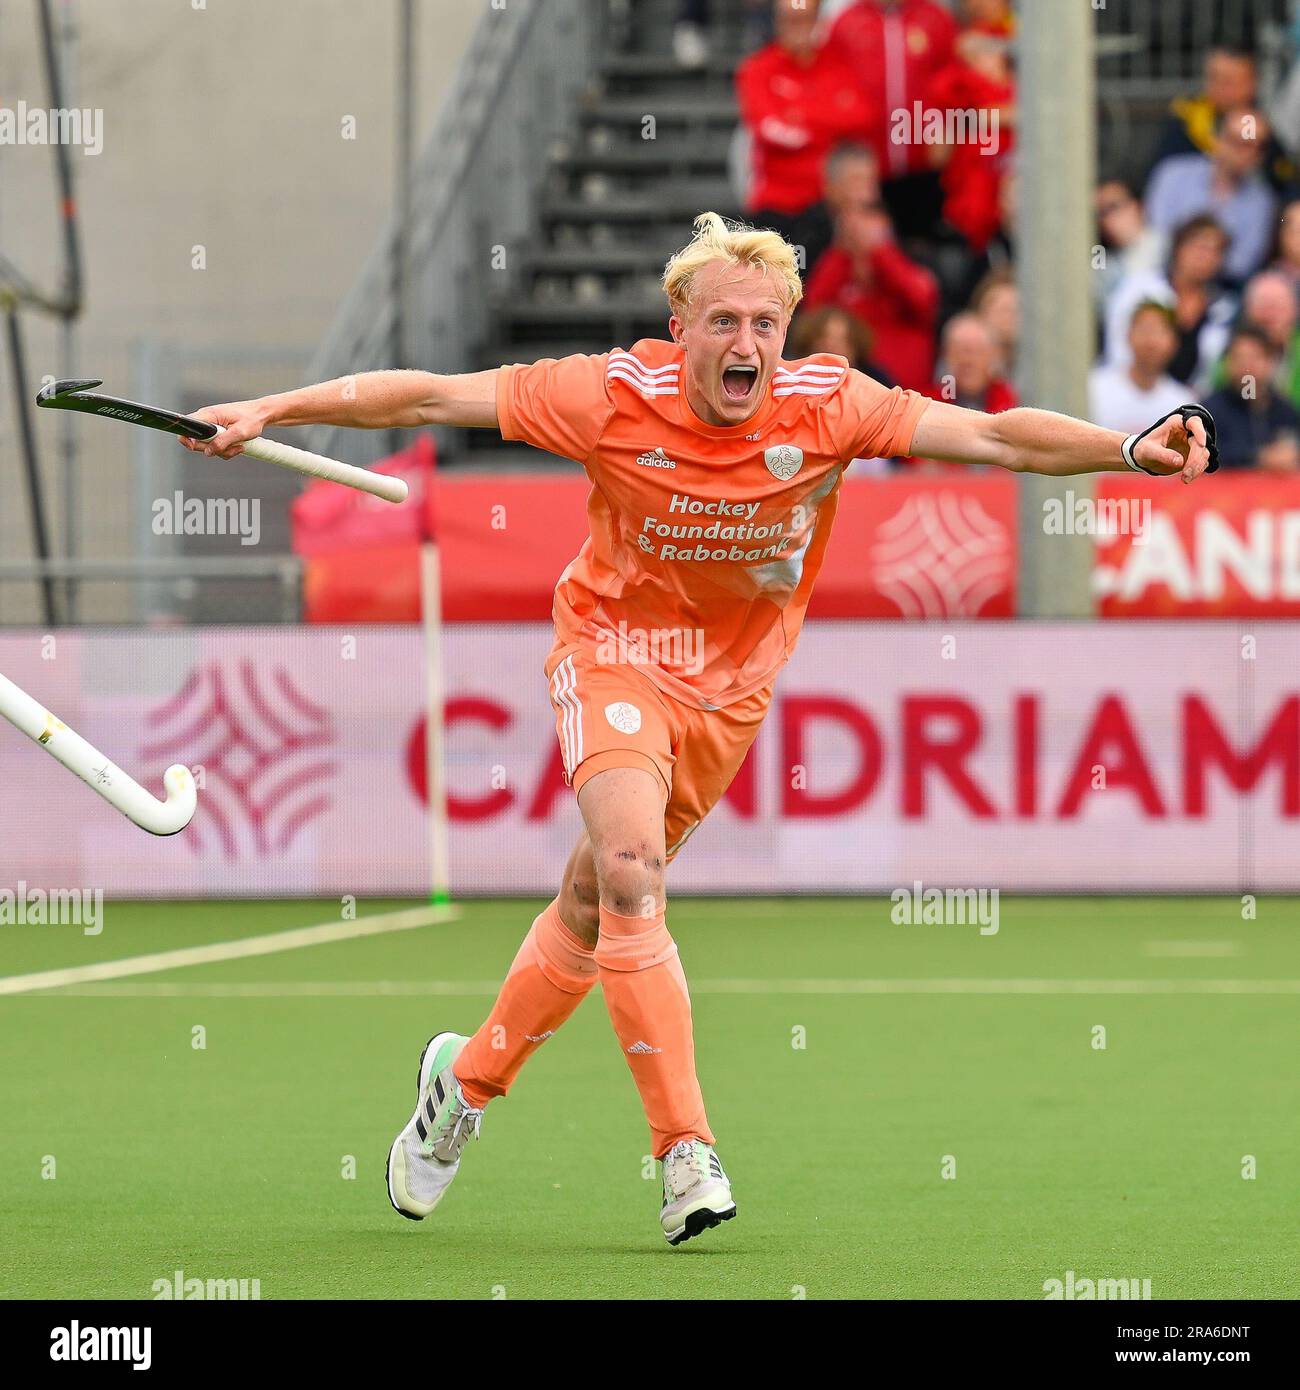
x=229 y=1161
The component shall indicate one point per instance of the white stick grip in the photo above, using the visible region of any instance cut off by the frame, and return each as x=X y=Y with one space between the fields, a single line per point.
x=318 y=466
x=78 y=756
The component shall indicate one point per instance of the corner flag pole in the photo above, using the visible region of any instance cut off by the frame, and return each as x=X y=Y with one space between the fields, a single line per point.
x=434 y=752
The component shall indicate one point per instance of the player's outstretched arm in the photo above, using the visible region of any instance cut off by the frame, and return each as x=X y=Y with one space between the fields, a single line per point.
x=368 y=401
x=1041 y=441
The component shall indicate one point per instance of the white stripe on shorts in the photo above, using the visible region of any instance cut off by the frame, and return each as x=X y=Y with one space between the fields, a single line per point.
x=563 y=689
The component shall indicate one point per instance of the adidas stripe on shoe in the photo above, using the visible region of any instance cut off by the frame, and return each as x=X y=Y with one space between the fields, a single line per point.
x=697 y=1194
x=425 y=1156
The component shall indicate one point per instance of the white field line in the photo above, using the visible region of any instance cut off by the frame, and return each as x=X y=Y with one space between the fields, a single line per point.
x=270 y=944
x=365 y=989
x=1191 y=950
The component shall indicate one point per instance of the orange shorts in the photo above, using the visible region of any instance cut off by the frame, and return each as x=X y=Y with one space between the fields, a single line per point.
x=613 y=715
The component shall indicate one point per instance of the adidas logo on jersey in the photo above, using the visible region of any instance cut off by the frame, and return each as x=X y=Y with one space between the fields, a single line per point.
x=655 y=458
x=643 y=1049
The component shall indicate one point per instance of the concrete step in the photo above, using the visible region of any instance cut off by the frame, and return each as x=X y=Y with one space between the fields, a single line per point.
x=663 y=69
x=653 y=209
x=607 y=320
x=678 y=153
x=629 y=259
x=501 y=351
x=691 y=110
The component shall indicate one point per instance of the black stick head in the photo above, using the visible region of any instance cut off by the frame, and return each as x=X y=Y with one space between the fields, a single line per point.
x=77 y=395
x=55 y=393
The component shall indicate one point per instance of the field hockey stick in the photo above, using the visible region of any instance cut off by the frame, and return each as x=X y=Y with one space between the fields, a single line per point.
x=76 y=395
x=95 y=770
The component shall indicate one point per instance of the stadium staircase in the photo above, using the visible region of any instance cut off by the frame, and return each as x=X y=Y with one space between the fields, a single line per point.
x=647 y=149
x=564 y=168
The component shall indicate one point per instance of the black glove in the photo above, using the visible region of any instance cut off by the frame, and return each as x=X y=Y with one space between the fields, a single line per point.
x=1185 y=413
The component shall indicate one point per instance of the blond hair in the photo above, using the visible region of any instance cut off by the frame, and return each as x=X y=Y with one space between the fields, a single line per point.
x=721 y=239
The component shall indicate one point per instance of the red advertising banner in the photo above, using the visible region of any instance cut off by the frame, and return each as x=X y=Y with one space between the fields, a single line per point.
x=1228 y=547
x=904 y=547
x=908 y=547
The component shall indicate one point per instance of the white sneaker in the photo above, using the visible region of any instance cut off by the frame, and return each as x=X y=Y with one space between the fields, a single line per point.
x=697 y=1194
x=426 y=1154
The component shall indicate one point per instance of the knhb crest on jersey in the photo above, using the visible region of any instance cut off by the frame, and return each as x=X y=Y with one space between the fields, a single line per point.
x=783 y=460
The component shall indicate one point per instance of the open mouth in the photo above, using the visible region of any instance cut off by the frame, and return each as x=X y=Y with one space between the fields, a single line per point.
x=738 y=382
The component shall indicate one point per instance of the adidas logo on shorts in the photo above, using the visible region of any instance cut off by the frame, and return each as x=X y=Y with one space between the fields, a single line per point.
x=643 y=1049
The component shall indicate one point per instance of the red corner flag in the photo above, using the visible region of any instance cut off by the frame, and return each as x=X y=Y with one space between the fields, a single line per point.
x=362 y=554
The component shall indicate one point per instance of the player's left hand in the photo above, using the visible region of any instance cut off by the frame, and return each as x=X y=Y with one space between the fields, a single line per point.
x=1182 y=442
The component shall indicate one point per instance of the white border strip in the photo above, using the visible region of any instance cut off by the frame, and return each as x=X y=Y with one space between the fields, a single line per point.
x=272 y=943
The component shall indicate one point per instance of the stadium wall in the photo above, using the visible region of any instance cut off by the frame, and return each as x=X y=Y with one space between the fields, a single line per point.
x=246 y=169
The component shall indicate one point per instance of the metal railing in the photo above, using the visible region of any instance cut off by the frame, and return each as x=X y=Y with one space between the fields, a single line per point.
x=472 y=197
x=1151 y=51
x=183 y=573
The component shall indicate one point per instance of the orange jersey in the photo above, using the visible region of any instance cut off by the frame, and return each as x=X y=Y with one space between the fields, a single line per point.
x=705 y=540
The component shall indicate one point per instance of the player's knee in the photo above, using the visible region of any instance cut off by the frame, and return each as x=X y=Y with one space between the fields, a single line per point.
x=580 y=904
x=631 y=879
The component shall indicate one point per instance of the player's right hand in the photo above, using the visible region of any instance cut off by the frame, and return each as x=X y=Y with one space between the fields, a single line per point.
x=240 y=421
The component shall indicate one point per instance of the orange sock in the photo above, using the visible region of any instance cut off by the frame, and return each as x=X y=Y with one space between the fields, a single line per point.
x=549 y=978
x=650 y=1008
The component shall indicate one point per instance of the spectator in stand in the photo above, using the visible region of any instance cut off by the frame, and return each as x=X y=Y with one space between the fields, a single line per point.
x=968 y=368
x=1227 y=183
x=690 y=35
x=1229 y=83
x=1131 y=244
x=1130 y=398
x=1286 y=254
x=836 y=330
x=866 y=272
x=829 y=329
x=996 y=303
x=851 y=181
x=1257 y=428
x=1269 y=304
x=962 y=270
x=895 y=48
x=1203 y=311
x=798 y=100
x=978 y=81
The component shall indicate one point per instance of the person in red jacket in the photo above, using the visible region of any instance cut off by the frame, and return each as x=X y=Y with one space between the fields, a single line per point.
x=980 y=85
x=797 y=101
x=895 y=48
x=866 y=272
